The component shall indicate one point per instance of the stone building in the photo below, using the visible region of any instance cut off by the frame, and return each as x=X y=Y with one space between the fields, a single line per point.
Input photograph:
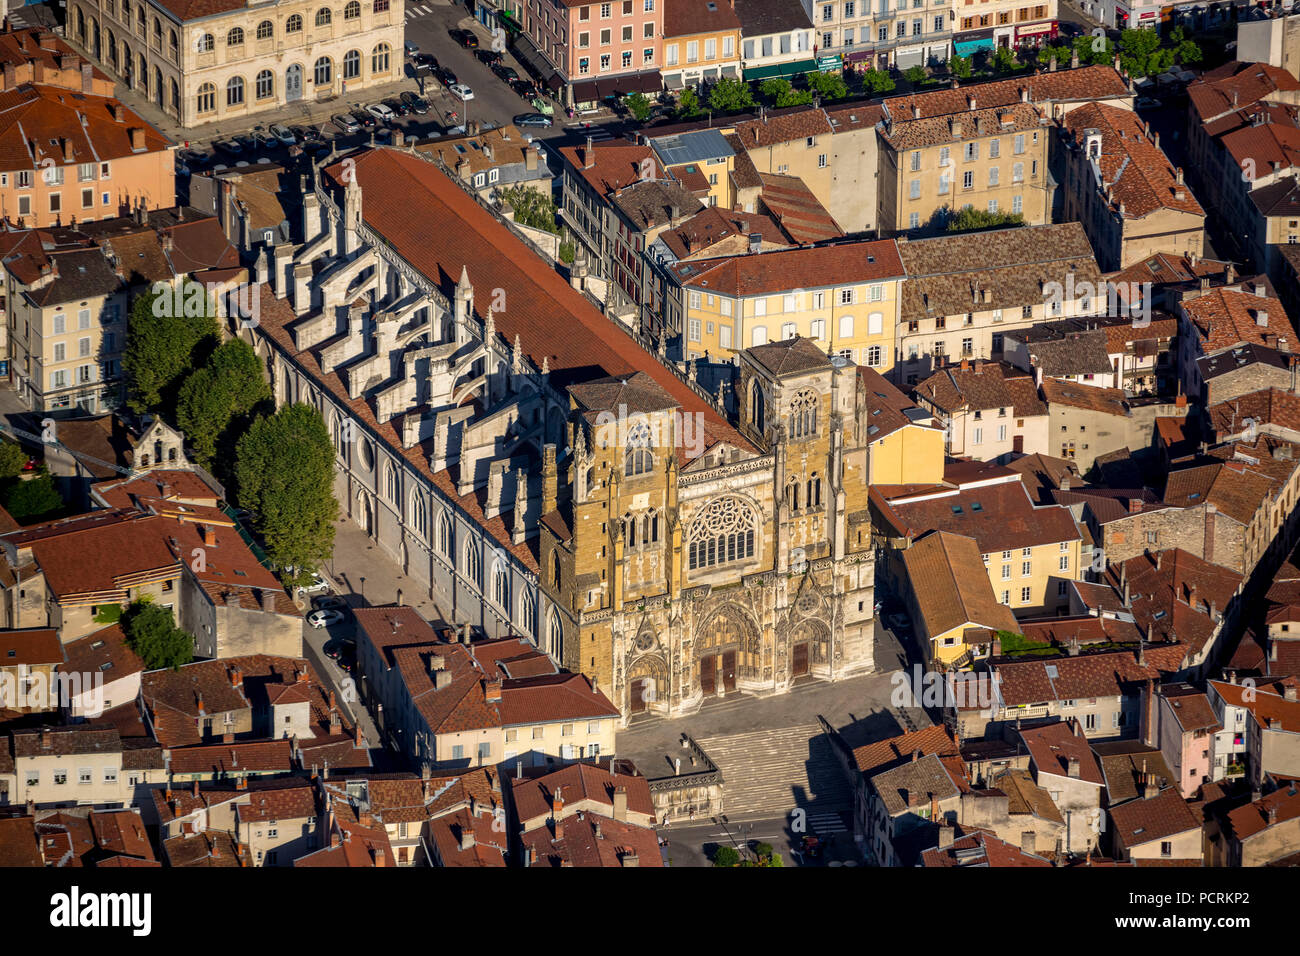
x=541 y=473
x=203 y=63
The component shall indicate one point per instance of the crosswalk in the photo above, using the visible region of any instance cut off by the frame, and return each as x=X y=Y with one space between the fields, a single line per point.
x=415 y=11
x=780 y=772
x=598 y=134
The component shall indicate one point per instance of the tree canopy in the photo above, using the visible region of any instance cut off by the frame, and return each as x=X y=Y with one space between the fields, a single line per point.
x=878 y=81
x=829 y=86
x=532 y=207
x=152 y=633
x=34 y=498
x=780 y=93
x=228 y=387
x=168 y=334
x=638 y=104
x=284 y=473
x=970 y=219
x=730 y=96
x=12 y=460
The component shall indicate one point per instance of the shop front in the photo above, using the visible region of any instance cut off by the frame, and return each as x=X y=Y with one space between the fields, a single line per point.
x=1036 y=34
x=780 y=70
x=589 y=93
x=972 y=42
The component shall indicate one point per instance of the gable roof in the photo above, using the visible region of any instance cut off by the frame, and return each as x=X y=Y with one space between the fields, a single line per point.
x=951 y=586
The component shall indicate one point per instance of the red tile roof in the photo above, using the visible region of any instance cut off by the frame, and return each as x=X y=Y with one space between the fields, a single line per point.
x=1253 y=818
x=580 y=786
x=33 y=117
x=1052 y=748
x=1152 y=818
x=31 y=646
x=980 y=849
x=1223 y=318
x=591 y=840
x=777 y=271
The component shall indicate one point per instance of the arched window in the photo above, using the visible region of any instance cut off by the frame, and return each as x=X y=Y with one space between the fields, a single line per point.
x=555 y=570
x=351 y=64
x=176 y=96
x=293 y=24
x=352 y=11
x=638 y=459
x=126 y=12
x=528 y=614
x=555 y=636
x=207 y=98
x=324 y=71
x=721 y=533
x=814 y=496
x=419 y=517
x=474 y=564
x=501 y=588
x=174 y=42
x=757 y=408
x=803 y=414
x=207 y=43
x=235 y=37
x=792 y=495
x=640 y=531
x=379 y=58
x=323 y=17
x=157 y=34
x=265 y=84
x=390 y=483
x=446 y=536
x=265 y=30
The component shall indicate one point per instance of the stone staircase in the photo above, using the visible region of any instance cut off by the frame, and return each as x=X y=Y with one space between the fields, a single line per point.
x=769 y=773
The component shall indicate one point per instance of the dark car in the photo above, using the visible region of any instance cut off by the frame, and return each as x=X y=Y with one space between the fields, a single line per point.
x=524 y=89
x=533 y=119
x=336 y=647
x=231 y=147
x=415 y=104
x=506 y=73
x=425 y=61
x=445 y=76
x=365 y=118
x=465 y=38
x=490 y=57
x=397 y=106
x=248 y=142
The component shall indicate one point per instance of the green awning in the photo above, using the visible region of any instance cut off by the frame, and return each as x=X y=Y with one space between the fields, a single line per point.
x=781 y=70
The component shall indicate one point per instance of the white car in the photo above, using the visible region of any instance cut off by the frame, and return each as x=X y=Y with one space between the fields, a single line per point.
x=461 y=90
x=324 y=618
x=318 y=584
x=381 y=112
x=283 y=134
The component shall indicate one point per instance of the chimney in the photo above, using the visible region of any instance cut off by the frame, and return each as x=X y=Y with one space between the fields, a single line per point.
x=620 y=804
x=631 y=860
x=136 y=135
x=377 y=856
x=1261 y=318
x=1028 y=841
x=947 y=833
x=492 y=691
x=196 y=787
x=1289 y=692
x=1073 y=768
x=1150 y=786
x=589 y=154
x=467 y=840
x=1134 y=506
x=970 y=102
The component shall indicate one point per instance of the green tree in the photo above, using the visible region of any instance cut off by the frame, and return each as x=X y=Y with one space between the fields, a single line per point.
x=152 y=633
x=532 y=207
x=1094 y=49
x=638 y=104
x=1186 y=51
x=284 y=473
x=1140 y=52
x=688 y=104
x=1004 y=61
x=34 y=498
x=970 y=219
x=829 y=86
x=915 y=75
x=168 y=334
x=730 y=96
x=960 y=67
x=878 y=81
x=726 y=856
x=12 y=460
x=780 y=93
x=567 y=253
x=227 y=388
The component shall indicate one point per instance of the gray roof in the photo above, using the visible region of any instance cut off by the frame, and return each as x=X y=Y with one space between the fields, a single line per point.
x=762 y=17
x=1230 y=360
x=692 y=147
x=922 y=779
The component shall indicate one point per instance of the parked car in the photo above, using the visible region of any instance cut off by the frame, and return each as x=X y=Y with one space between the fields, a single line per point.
x=465 y=38
x=328 y=602
x=231 y=147
x=247 y=141
x=445 y=76
x=533 y=119
x=412 y=49
x=326 y=618
x=524 y=89
x=425 y=60
x=461 y=90
x=381 y=112
x=490 y=57
x=283 y=134
x=506 y=73
x=418 y=105
x=339 y=646
x=264 y=138
x=317 y=584
x=1147 y=103
x=397 y=106
x=365 y=118
x=346 y=123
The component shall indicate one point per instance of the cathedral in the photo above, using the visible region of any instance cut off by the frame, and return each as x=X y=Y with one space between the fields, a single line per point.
x=542 y=472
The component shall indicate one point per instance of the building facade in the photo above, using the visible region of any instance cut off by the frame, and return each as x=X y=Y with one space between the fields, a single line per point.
x=233 y=62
